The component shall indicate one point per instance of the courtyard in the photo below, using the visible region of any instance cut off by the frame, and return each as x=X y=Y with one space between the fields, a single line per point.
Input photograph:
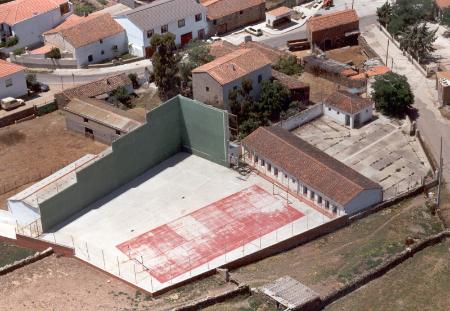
x=381 y=150
x=183 y=217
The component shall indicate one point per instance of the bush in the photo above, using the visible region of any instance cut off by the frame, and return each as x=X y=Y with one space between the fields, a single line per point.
x=54 y=53
x=11 y=41
x=288 y=65
x=19 y=51
x=134 y=79
x=82 y=9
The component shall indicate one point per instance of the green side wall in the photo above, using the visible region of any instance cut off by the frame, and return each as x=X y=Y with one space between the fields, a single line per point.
x=180 y=124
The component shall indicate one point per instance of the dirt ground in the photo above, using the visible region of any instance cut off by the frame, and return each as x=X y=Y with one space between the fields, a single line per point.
x=61 y=283
x=34 y=149
x=319 y=87
x=420 y=283
x=351 y=55
x=11 y=253
x=244 y=303
x=147 y=99
x=333 y=260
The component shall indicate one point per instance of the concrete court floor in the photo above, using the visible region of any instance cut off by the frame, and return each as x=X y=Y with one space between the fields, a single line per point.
x=175 y=188
x=380 y=150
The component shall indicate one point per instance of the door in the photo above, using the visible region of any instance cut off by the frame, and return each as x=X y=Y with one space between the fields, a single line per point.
x=356 y=120
x=149 y=52
x=88 y=133
x=221 y=29
x=347 y=120
x=186 y=38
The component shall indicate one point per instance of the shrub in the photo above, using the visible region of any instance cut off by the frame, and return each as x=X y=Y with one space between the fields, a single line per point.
x=19 y=51
x=54 y=53
x=11 y=41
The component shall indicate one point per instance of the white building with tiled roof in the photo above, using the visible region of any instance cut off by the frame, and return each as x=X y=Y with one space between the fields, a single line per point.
x=213 y=82
x=12 y=80
x=29 y=19
x=185 y=19
x=90 y=39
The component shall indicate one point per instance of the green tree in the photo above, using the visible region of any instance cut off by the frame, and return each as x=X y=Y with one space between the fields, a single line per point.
x=406 y=13
x=274 y=99
x=54 y=53
x=392 y=94
x=418 y=41
x=134 y=79
x=445 y=19
x=384 y=14
x=165 y=65
x=121 y=94
x=197 y=55
x=288 y=65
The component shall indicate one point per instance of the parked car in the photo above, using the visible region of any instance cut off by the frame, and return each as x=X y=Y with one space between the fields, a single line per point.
x=10 y=103
x=43 y=87
x=38 y=87
x=254 y=31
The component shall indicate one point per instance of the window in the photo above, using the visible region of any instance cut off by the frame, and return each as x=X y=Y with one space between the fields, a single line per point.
x=334 y=209
x=259 y=78
x=329 y=109
x=327 y=204
x=198 y=17
x=293 y=180
x=275 y=171
x=117 y=132
x=181 y=23
x=367 y=110
x=150 y=33
x=305 y=190
x=64 y=8
x=201 y=34
x=235 y=87
x=114 y=48
x=263 y=162
x=269 y=167
x=338 y=112
x=90 y=58
x=102 y=52
x=101 y=41
x=319 y=199
x=85 y=120
x=311 y=194
x=207 y=89
x=241 y=12
x=164 y=28
x=256 y=159
x=285 y=175
x=8 y=82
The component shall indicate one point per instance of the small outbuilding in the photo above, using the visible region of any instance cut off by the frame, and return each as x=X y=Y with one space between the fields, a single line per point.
x=278 y=16
x=12 y=80
x=443 y=87
x=348 y=109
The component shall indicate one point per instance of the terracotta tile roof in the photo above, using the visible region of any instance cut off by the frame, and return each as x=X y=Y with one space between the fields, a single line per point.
x=377 y=70
x=359 y=76
x=348 y=72
x=103 y=113
x=233 y=66
x=443 y=75
x=282 y=10
x=221 y=48
x=308 y=164
x=7 y=68
x=442 y=4
x=86 y=30
x=98 y=87
x=271 y=53
x=288 y=81
x=222 y=8
x=16 y=11
x=43 y=49
x=347 y=102
x=332 y=20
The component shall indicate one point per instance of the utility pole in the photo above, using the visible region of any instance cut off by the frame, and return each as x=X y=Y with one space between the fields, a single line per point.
x=353 y=2
x=438 y=201
x=387 y=52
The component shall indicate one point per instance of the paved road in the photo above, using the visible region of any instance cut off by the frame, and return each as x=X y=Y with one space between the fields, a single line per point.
x=430 y=122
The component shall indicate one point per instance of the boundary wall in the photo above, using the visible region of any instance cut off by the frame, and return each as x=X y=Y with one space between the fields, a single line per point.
x=302 y=117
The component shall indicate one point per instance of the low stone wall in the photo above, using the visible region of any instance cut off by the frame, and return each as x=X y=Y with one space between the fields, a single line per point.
x=209 y=301
x=19 y=115
x=39 y=245
x=116 y=63
x=367 y=48
x=26 y=261
x=28 y=60
x=383 y=268
x=301 y=118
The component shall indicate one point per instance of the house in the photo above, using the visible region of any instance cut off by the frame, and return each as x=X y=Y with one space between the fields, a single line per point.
x=221 y=48
x=348 y=109
x=299 y=90
x=99 y=120
x=309 y=172
x=333 y=30
x=185 y=19
x=443 y=87
x=441 y=5
x=278 y=17
x=90 y=39
x=12 y=80
x=99 y=89
x=213 y=82
x=29 y=19
x=227 y=15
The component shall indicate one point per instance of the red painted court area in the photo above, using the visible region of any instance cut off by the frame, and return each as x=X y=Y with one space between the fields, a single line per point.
x=195 y=239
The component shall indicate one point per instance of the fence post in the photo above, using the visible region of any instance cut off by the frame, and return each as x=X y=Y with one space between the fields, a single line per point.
x=104 y=263
x=118 y=265
x=73 y=242
x=87 y=250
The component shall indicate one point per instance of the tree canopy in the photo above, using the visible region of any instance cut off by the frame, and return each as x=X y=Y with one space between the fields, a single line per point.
x=392 y=94
x=288 y=65
x=165 y=61
x=405 y=13
x=418 y=41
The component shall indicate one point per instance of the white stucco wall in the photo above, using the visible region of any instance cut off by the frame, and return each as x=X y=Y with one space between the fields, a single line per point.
x=135 y=36
x=365 y=115
x=22 y=212
x=95 y=49
x=334 y=113
x=138 y=37
x=30 y=31
x=17 y=89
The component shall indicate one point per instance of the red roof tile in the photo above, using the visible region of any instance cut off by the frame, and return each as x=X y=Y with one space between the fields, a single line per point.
x=332 y=20
x=7 y=68
x=282 y=10
x=308 y=164
x=291 y=83
x=347 y=102
x=222 y=8
x=442 y=4
x=16 y=11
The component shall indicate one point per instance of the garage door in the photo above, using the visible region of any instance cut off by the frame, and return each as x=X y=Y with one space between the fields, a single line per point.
x=186 y=38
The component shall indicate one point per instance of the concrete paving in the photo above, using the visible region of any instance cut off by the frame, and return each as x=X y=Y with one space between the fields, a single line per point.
x=165 y=194
x=379 y=150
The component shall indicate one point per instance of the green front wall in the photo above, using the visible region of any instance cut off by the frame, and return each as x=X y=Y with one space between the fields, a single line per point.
x=179 y=124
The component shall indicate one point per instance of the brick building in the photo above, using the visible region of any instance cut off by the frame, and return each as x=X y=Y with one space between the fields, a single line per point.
x=333 y=30
x=227 y=15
